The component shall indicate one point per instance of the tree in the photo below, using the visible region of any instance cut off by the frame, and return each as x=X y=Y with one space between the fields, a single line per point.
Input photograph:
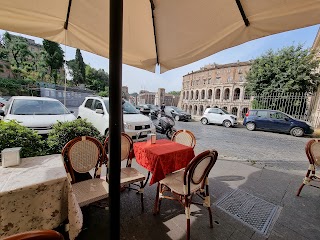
x=15 y=49
x=288 y=70
x=77 y=68
x=96 y=80
x=175 y=93
x=54 y=58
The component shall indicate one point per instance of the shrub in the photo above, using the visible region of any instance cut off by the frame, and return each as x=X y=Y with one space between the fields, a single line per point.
x=62 y=133
x=12 y=134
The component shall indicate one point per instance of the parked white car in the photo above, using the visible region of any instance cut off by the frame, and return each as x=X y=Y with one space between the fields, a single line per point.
x=96 y=111
x=36 y=113
x=218 y=116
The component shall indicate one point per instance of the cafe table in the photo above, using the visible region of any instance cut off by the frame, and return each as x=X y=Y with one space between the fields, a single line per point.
x=162 y=157
x=37 y=195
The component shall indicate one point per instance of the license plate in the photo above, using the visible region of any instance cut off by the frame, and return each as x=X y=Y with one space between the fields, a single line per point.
x=144 y=133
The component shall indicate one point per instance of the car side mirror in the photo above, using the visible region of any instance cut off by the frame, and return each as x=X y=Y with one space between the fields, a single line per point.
x=286 y=119
x=99 y=111
x=71 y=111
x=221 y=113
x=2 y=113
x=172 y=110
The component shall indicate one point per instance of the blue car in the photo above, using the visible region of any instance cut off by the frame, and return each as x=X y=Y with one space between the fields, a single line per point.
x=276 y=121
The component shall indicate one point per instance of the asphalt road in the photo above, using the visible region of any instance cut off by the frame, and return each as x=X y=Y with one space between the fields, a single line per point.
x=262 y=149
x=265 y=149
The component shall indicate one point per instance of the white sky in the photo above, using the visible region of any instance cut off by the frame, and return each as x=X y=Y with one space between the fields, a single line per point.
x=137 y=79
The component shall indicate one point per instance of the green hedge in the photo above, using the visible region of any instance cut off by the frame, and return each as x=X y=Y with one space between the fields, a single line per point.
x=62 y=133
x=12 y=134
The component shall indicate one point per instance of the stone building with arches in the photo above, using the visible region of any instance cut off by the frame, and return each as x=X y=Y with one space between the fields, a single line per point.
x=216 y=85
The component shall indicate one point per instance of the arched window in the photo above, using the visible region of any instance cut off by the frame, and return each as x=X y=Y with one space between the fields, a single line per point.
x=195 y=109
x=218 y=94
x=244 y=111
x=209 y=93
x=184 y=95
x=187 y=95
x=201 y=110
x=197 y=95
x=191 y=95
x=236 y=94
x=202 y=94
x=225 y=108
x=234 y=111
x=226 y=94
x=190 y=109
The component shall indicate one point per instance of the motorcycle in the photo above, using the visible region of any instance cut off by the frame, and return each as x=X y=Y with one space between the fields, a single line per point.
x=163 y=123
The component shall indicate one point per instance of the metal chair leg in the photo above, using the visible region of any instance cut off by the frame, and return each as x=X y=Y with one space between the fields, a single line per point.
x=141 y=195
x=210 y=217
x=187 y=212
x=156 y=201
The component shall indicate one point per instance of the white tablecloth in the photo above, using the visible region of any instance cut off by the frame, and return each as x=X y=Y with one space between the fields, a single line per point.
x=37 y=195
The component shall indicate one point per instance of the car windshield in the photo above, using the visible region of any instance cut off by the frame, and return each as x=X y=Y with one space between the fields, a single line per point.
x=224 y=111
x=127 y=107
x=176 y=109
x=37 y=107
x=152 y=106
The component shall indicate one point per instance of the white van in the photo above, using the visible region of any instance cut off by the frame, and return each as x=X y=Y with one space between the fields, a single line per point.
x=96 y=111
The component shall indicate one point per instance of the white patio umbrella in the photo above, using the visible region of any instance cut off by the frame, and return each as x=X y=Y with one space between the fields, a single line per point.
x=170 y=33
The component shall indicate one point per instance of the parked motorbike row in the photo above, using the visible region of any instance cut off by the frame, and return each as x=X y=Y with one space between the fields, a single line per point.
x=163 y=123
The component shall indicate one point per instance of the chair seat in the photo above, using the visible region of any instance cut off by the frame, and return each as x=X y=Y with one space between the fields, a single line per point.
x=175 y=182
x=131 y=175
x=90 y=191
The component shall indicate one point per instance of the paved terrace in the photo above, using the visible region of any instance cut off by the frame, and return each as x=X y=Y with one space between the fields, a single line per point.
x=296 y=217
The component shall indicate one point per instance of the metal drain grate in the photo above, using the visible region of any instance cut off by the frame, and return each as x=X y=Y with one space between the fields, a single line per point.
x=251 y=210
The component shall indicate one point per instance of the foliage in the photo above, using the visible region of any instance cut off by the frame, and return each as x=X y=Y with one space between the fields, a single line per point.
x=54 y=58
x=12 y=134
x=13 y=87
x=175 y=93
x=15 y=50
x=77 y=68
x=62 y=133
x=104 y=93
x=291 y=69
x=96 y=80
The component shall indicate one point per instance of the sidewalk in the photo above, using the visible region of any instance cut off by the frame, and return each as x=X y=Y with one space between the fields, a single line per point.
x=296 y=217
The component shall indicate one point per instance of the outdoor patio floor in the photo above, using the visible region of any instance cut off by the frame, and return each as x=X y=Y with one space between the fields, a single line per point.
x=298 y=218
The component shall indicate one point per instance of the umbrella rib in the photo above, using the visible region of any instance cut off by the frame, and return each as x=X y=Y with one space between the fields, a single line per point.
x=66 y=23
x=243 y=14
x=154 y=29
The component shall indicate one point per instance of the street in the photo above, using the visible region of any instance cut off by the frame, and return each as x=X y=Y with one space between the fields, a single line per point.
x=263 y=149
x=281 y=152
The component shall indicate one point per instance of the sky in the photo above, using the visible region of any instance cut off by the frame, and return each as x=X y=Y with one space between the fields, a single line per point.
x=137 y=79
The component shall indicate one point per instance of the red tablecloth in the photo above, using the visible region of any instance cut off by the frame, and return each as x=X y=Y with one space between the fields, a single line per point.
x=162 y=158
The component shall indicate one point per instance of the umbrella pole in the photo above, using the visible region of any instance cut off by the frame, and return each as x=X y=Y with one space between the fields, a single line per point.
x=115 y=104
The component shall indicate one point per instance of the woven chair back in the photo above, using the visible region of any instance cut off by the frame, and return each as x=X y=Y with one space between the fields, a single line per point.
x=314 y=150
x=84 y=154
x=199 y=167
x=126 y=146
x=184 y=137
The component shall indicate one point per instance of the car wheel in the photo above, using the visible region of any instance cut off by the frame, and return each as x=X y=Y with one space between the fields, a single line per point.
x=250 y=126
x=177 y=118
x=227 y=123
x=204 y=121
x=170 y=133
x=297 y=132
x=79 y=118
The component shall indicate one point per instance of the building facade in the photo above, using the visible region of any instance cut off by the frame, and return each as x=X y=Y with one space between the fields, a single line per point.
x=216 y=85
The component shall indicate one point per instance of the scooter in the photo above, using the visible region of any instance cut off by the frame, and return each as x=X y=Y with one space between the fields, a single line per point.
x=163 y=123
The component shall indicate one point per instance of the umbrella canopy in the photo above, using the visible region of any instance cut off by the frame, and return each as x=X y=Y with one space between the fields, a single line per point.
x=171 y=33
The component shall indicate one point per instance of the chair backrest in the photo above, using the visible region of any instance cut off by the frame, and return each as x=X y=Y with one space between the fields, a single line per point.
x=198 y=169
x=184 y=137
x=83 y=154
x=313 y=151
x=36 y=235
x=126 y=146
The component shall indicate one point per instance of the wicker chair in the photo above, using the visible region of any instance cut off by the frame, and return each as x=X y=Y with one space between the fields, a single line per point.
x=184 y=184
x=129 y=175
x=83 y=154
x=36 y=235
x=184 y=137
x=313 y=154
